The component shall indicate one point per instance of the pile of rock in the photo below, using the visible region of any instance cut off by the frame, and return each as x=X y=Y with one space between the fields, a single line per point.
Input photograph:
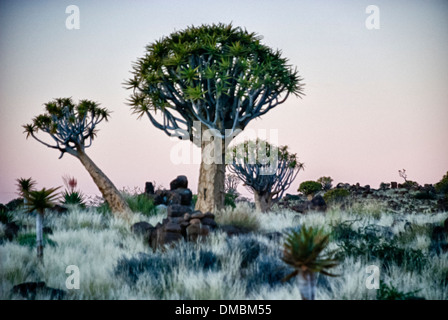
x=178 y=193
x=182 y=223
x=317 y=203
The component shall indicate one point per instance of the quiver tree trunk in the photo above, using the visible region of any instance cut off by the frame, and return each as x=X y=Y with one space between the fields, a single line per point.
x=307 y=285
x=263 y=201
x=39 y=235
x=110 y=193
x=211 y=190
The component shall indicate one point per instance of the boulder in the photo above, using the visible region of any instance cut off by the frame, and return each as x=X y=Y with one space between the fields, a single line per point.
x=197 y=231
x=318 y=204
x=149 y=188
x=143 y=228
x=178 y=210
x=186 y=196
x=211 y=223
x=167 y=237
x=179 y=182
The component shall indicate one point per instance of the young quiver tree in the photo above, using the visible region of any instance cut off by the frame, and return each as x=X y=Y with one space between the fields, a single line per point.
x=304 y=251
x=73 y=128
x=265 y=169
x=39 y=201
x=207 y=83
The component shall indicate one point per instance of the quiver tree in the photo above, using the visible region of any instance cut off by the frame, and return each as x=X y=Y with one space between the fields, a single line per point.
x=207 y=83
x=306 y=251
x=72 y=128
x=37 y=201
x=265 y=169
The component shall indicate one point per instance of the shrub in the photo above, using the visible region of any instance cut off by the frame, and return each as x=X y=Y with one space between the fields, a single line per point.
x=141 y=203
x=14 y=204
x=73 y=198
x=194 y=199
x=442 y=185
x=391 y=293
x=309 y=187
x=409 y=184
x=243 y=216
x=424 y=195
x=326 y=183
x=229 y=199
x=384 y=186
x=161 y=264
x=365 y=243
x=5 y=215
x=336 y=195
x=267 y=269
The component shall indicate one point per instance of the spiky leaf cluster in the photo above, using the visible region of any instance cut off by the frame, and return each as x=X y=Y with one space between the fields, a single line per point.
x=218 y=74
x=303 y=250
x=263 y=167
x=39 y=200
x=71 y=126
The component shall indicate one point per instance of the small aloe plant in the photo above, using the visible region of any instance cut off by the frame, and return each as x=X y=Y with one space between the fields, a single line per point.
x=303 y=251
x=39 y=201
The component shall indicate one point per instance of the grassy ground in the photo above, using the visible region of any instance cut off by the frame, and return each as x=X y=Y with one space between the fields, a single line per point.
x=116 y=264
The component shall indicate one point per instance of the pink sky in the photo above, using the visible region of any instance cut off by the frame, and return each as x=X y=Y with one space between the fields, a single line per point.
x=376 y=100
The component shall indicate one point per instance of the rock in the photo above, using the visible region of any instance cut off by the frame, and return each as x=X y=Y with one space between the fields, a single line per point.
x=29 y=290
x=177 y=220
x=209 y=222
x=173 y=227
x=160 y=197
x=445 y=225
x=177 y=210
x=179 y=182
x=197 y=215
x=143 y=228
x=186 y=196
x=318 y=204
x=149 y=188
x=167 y=237
x=187 y=217
x=195 y=221
x=173 y=198
x=209 y=215
x=195 y=231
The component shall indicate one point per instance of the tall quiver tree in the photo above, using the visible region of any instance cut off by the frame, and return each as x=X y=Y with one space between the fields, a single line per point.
x=265 y=169
x=73 y=128
x=218 y=75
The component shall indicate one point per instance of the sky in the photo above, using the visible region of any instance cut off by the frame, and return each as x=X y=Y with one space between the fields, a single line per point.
x=376 y=99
